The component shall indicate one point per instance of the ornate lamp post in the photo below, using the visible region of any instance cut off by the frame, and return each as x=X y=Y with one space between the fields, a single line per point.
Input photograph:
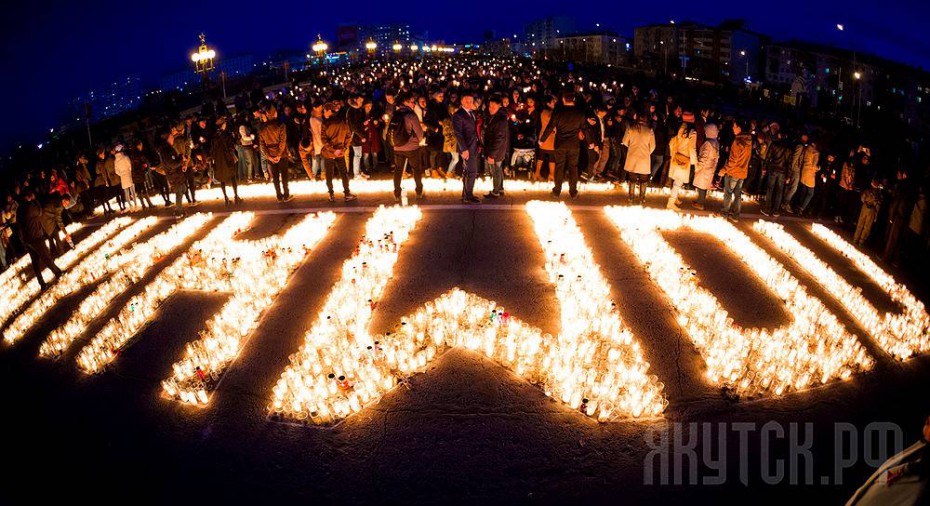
x=203 y=60
x=319 y=47
x=371 y=46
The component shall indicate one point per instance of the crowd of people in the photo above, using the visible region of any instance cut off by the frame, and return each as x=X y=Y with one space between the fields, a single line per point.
x=452 y=117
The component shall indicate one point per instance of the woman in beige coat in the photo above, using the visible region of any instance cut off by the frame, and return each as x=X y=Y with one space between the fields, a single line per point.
x=683 y=150
x=640 y=142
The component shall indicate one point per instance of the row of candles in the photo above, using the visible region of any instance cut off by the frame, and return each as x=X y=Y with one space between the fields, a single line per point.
x=902 y=334
x=127 y=268
x=92 y=268
x=258 y=273
x=813 y=349
x=19 y=290
x=339 y=368
x=595 y=364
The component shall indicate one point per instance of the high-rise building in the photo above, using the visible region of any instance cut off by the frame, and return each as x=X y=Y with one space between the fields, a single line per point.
x=604 y=48
x=540 y=35
x=848 y=82
x=727 y=52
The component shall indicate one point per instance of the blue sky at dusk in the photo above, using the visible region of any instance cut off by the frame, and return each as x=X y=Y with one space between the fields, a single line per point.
x=53 y=51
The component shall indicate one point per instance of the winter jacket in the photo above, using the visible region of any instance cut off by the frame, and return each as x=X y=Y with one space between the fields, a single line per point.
x=171 y=164
x=223 y=152
x=413 y=128
x=140 y=165
x=685 y=147
x=272 y=139
x=737 y=165
x=707 y=159
x=497 y=137
x=51 y=217
x=31 y=220
x=355 y=116
x=566 y=122
x=640 y=142
x=123 y=168
x=809 y=160
x=336 y=136
x=777 y=157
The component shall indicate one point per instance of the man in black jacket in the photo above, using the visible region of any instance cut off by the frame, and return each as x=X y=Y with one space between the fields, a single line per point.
x=777 y=159
x=34 y=236
x=496 y=144
x=567 y=122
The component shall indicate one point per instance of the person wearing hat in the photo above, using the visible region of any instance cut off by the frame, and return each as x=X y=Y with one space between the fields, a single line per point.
x=225 y=163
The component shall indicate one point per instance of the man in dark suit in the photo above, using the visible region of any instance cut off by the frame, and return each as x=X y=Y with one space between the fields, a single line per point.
x=466 y=138
x=567 y=121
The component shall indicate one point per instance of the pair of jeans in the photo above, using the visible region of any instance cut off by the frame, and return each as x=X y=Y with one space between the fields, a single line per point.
x=805 y=194
x=566 y=161
x=356 y=160
x=455 y=160
x=732 y=195
x=333 y=165
x=497 y=177
x=280 y=175
x=316 y=165
x=773 y=194
x=415 y=159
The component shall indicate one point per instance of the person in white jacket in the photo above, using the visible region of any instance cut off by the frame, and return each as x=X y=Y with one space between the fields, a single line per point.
x=683 y=150
x=123 y=168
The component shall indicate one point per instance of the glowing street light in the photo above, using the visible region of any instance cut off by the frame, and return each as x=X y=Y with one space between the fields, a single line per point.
x=397 y=47
x=414 y=47
x=319 y=47
x=203 y=58
x=371 y=46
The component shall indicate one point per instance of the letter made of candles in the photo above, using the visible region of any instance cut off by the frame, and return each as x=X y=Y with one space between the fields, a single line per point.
x=813 y=349
x=902 y=335
x=253 y=272
x=594 y=365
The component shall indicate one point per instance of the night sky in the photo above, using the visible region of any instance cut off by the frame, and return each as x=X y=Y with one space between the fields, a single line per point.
x=54 y=51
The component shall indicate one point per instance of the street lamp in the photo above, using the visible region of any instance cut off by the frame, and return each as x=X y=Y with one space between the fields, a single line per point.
x=397 y=47
x=319 y=47
x=371 y=46
x=414 y=47
x=203 y=58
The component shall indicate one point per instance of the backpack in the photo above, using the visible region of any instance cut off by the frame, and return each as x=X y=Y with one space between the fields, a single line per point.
x=398 y=133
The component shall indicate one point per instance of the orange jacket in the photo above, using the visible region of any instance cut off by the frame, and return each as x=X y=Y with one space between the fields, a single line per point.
x=740 y=152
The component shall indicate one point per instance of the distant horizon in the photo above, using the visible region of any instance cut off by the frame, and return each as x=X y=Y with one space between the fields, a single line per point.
x=83 y=48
